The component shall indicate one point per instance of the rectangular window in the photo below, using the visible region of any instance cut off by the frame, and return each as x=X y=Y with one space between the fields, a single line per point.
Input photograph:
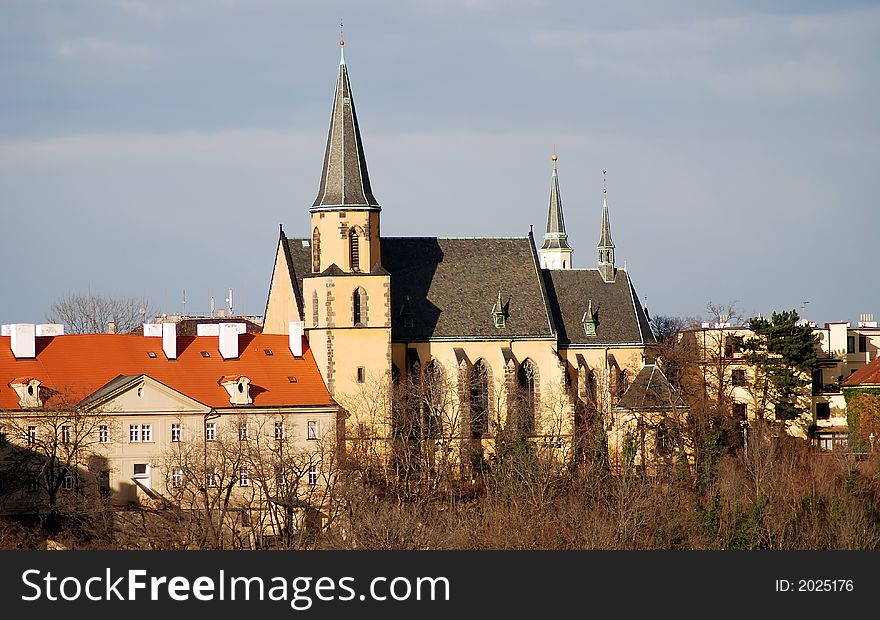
x=146 y=432
x=279 y=430
x=312 y=429
x=244 y=478
x=313 y=475
x=141 y=470
x=740 y=411
x=65 y=434
x=67 y=481
x=104 y=482
x=211 y=478
x=134 y=433
x=177 y=477
x=211 y=431
x=175 y=431
x=863 y=344
x=104 y=433
x=280 y=477
x=361 y=374
x=850 y=344
x=33 y=484
x=31 y=436
x=823 y=411
x=738 y=377
x=243 y=431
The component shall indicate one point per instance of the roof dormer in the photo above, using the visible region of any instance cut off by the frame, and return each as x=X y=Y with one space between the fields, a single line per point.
x=28 y=390
x=238 y=388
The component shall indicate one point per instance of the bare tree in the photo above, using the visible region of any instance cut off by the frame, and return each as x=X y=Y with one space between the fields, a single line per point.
x=90 y=313
x=53 y=460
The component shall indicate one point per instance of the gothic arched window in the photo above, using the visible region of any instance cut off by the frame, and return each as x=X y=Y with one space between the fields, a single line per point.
x=316 y=250
x=433 y=391
x=479 y=406
x=526 y=379
x=622 y=379
x=359 y=307
x=354 y=250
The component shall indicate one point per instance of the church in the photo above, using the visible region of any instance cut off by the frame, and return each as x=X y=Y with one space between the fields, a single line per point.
x=487 y=332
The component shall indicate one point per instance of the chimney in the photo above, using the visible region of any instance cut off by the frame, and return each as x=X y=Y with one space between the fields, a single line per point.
x=296 y=338
x=50 y=329
x=169 y=340
x=207 y=329
x=111 y=327
x=22 y=340
x=229 y=340
x=152 y=330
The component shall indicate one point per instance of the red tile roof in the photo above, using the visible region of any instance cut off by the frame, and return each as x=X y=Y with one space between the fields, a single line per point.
x=74 y=366
x=867 y=375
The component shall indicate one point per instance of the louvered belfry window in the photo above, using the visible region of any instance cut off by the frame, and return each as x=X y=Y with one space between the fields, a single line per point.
x=354 y=249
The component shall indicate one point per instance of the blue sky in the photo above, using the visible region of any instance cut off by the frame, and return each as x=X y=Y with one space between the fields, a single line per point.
x=151 y=147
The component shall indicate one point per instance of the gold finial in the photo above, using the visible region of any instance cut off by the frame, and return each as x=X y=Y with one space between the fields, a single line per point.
x=604 y=189
x=553 y=157
x=341 y=33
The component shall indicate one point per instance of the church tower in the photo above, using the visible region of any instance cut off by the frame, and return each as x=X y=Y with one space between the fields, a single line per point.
x=345 y=214
x=605 y=247
x=555 y=253
x=347 y=295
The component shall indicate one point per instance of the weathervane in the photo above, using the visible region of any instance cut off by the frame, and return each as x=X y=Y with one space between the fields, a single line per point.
x=604 y=189
x=341 y=33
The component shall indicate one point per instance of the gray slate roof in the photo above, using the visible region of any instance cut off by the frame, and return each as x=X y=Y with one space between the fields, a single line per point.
x=650 y=391
x=344 y=180
x=450 y=285
x=555 y=236
x=621 y=318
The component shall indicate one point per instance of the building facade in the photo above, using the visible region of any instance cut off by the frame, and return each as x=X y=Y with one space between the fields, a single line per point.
x=488 y=331
x=842 y=350
x=226 y=420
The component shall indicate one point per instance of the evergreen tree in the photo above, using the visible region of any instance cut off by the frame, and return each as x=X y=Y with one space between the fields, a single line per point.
x=783 y=353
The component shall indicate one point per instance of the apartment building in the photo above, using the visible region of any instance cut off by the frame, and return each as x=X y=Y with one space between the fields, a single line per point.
x=160 y=419
x=842 y=349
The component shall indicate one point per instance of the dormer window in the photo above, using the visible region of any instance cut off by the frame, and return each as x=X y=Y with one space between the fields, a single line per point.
x=406 y=315
x=28 y=391
x=238 y=388
x=500 y=312
x=590 y=320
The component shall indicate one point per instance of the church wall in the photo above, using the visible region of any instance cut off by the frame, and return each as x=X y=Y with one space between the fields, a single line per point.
x=553 y=413
x=334 y=227
x=341 y=348
x=281 y=307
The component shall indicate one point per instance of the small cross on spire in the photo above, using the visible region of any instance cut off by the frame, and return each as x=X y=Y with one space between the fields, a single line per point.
x=341 y=33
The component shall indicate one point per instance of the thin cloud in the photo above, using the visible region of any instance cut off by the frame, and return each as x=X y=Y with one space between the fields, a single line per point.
x=96 y=47
x=752 y=58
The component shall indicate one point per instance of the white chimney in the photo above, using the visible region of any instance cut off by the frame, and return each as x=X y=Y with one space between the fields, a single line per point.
x=229 y=340
x=152 y=330
x=50 y=329
x=296 y=338
x=169 y=340
x=207 y=329
x=22 y=341
x=111 y=327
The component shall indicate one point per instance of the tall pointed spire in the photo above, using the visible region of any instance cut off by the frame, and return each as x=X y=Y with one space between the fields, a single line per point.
x=605 y=247
x=555 y=253
x=344 y=180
